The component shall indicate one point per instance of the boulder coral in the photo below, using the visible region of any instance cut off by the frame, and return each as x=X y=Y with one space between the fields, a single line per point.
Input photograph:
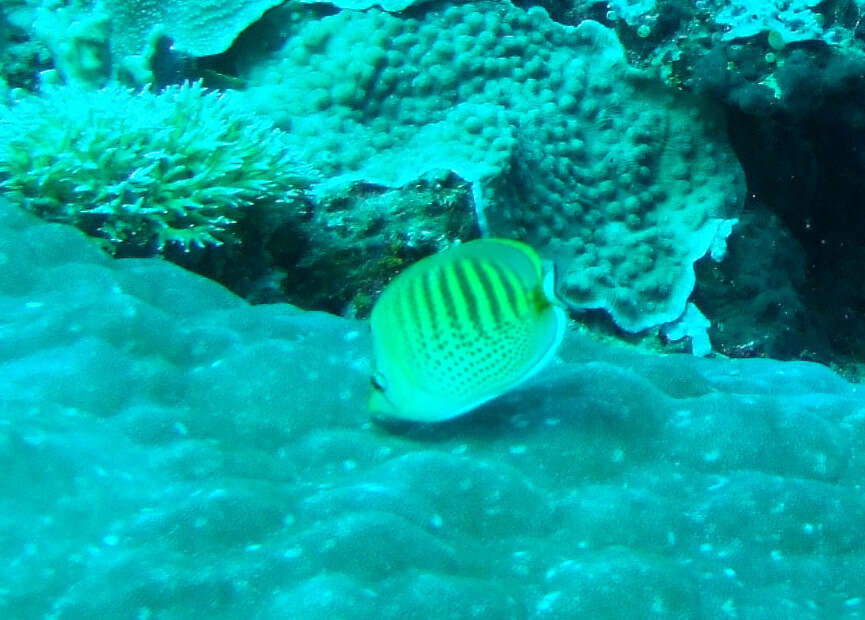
x=625 y=183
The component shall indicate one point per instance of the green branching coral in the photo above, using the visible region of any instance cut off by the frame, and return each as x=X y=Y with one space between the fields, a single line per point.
x=145 y=170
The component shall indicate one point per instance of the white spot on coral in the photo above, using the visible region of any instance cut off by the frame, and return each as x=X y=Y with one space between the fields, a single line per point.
x=682 y=418
x=292 y=552
x=720 y=483
x=711 y=456
x=547 y=601
x=820 y=466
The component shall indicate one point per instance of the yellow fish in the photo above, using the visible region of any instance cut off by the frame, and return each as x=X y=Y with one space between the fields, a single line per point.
x=461 y=327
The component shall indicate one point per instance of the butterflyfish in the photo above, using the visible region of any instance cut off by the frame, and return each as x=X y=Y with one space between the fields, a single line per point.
x=461 y=327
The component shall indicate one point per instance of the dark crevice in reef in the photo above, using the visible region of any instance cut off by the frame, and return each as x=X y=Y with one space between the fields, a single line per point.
x=806 y=183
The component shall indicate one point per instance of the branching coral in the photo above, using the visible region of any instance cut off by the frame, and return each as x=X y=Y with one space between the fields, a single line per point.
x=144 y=170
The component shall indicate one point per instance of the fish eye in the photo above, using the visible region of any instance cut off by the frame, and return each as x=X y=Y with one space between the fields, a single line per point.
x=378 y=381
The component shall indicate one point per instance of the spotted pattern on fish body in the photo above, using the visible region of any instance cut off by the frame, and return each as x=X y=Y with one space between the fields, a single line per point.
x=461 y=327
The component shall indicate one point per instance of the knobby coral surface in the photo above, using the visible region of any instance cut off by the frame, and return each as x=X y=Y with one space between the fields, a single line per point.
x=566 y=146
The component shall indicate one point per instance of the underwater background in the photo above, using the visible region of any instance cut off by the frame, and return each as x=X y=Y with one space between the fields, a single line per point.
x=202 y=202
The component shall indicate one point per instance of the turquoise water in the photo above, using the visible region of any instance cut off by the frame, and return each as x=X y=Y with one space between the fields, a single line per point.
x=170 y=449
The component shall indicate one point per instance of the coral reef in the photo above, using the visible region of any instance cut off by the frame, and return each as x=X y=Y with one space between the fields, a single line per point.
x=145 y=170
x=136 y=41
x=565 y=146
x=784 y=21
x=734 y=51
x=169 y=450
x=200 y=28
x=545 y=128
x=356 y=239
